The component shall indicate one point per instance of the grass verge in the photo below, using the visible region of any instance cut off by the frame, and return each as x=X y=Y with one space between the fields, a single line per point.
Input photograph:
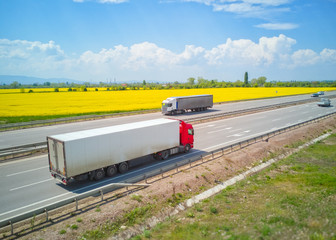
x=66 y=117
x=293 y=199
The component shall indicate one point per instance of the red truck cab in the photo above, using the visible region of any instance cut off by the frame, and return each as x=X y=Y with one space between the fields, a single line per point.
x=186 y=135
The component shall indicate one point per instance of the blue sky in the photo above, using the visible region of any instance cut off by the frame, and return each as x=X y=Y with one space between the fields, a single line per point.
x=168 y=40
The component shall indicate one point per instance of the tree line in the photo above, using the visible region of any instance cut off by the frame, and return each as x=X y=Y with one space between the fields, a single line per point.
x=191 y=83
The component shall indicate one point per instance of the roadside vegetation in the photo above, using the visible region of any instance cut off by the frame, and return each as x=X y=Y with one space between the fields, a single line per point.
x=293 y=199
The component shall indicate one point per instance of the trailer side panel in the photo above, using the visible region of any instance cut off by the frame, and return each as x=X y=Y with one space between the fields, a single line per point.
x=98 y=148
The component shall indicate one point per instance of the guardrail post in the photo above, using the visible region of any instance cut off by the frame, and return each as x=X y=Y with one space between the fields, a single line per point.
x=189 y=163
x=161 y=172
x=102 y=195
x=176 y=167
x=12 y=227
x=145 y=177
x=76 y=204
x=46 y=211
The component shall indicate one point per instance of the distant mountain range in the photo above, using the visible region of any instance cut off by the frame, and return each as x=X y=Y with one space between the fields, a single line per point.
x=8 y=79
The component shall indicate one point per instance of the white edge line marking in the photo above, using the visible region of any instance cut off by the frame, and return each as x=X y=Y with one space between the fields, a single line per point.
x=23 y=160
x=28 y=185
x=13 y=174
x=18 y=209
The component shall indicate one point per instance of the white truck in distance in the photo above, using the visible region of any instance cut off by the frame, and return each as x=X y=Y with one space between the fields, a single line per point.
x=92 y=154
x=175 y=105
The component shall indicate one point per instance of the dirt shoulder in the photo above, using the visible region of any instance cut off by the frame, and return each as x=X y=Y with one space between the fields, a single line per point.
x=126 y=215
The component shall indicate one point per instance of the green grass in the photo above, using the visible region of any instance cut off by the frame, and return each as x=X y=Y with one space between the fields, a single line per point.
x=136 y=216
x=295 y=198
x=21 y=119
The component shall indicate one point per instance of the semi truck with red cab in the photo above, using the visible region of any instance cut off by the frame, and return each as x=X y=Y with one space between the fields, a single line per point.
x=96 y=153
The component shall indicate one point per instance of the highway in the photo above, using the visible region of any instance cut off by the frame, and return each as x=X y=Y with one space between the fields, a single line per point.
x=27 y=184
x=35 y=135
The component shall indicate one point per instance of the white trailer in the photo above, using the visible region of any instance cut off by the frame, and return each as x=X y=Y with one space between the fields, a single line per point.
x=94 y=153
x=197 y=103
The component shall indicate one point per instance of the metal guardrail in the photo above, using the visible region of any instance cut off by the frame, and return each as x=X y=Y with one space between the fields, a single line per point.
x=8 y=153
x=156 y=172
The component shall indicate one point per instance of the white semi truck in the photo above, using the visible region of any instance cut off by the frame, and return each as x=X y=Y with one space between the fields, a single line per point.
x=174 y=105
x=92 y=154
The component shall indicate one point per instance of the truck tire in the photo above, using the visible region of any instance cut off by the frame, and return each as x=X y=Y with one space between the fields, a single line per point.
x=111 y=170
x=165 y=154
x=100 y=174
x=123 y=167
x=156 y=156
x=187 y=148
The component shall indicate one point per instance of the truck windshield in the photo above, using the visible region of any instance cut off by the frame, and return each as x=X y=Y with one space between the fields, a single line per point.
x=167 y=104
x=191 y=131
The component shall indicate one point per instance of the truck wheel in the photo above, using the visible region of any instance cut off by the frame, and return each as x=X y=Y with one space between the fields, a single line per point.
x=100 y=173
x=111 y=170
x=92 y=174
x=165 y=155
x=156 y=156
x=123 y=167
x=187 y=148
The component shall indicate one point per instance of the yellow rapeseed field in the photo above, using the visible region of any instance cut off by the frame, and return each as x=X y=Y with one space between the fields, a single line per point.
x=48 y=103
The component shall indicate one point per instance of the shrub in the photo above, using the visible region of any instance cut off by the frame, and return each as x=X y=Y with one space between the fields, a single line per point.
x=213 y=210
x=74 y=226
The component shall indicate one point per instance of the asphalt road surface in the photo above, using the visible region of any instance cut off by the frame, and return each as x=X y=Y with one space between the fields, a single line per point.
x=27 y=184
x=36 y=135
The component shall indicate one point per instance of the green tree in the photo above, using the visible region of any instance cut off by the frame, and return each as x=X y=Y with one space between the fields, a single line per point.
x=246 y=78
x=191 y=81
x=15 y=84
x=261 y=81
x=238 y=83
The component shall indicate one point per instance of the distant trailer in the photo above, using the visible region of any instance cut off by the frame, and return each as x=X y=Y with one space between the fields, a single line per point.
x=195 y=103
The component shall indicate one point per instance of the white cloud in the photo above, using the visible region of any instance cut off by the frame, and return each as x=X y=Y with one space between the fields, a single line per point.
x=147 y=60
x=305 y=57
x=102 y=1
x=328 y=55
x=25 y=49
x=308 y=57
x=261 y=9
x=206 y=2
x=277 y=26
x=142 y=55
x=248 y=52
x=268 y=2
x=238 y=8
